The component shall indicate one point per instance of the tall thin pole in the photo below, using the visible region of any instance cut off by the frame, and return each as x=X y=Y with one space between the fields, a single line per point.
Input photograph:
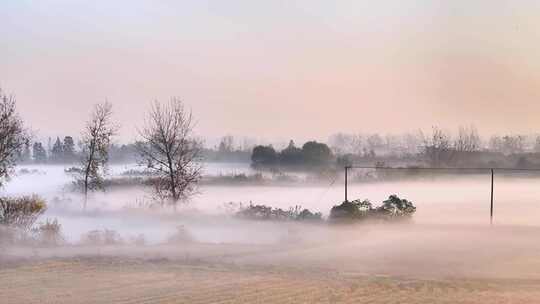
x=491 y=209
x=346 y=182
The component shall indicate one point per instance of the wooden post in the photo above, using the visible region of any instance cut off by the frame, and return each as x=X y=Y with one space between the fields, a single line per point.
x=346 y=182
x=491 y=208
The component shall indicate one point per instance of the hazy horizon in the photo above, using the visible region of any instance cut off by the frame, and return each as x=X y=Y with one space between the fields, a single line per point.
x=279 y=69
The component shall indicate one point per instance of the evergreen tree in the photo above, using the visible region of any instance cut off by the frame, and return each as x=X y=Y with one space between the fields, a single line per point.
x=26 y=154
x=69 y=149
x=57 y=152
x=40 y=154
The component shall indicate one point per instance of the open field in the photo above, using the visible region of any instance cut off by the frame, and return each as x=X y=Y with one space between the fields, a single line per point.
x=416 y=264
x=114 y=280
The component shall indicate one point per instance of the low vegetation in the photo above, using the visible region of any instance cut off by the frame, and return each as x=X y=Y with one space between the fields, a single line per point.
x=18 y=217
x=394 y=208
x=48 y=233
x=101 y=238
x=262 y=212
x=21 y=213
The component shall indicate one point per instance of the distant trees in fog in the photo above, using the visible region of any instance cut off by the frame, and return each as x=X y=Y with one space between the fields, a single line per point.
x=70 y=152
x=291 y=155
x=312 y=154
x=39 y=153
x=437 y=147
x=508 y=144
x=371 y=145
x=229 y=149
x=169 y=149
x=63 y=151
x=264 y=156
x=468 y=140
x=13 y=135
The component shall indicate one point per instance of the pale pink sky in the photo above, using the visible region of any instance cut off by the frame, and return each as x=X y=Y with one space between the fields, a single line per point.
x=277 y=69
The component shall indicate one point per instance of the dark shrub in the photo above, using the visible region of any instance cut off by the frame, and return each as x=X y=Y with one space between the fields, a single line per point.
x=315 y=153
x=306 y=215
x=264 y=156
x=394 y=208
x=354 y=210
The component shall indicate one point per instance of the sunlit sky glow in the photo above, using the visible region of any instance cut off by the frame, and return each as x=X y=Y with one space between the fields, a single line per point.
x=277 y=69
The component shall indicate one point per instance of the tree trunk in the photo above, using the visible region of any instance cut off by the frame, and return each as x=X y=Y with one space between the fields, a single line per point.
x=172 y=182
x=87 y=173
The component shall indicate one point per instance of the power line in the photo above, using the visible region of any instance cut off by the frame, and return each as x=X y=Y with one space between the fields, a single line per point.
x=488 y=170
x=442 y=168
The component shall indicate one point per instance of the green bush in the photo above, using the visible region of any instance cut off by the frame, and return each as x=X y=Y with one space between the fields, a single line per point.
x=353 y=210
x=394 y=208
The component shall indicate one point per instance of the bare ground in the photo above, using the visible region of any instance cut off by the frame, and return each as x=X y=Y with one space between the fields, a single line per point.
x=421 y=265
x=125 y=280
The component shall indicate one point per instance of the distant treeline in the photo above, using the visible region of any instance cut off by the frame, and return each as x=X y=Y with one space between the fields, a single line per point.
x=66 y=151
x=312 y=155
x=436 y=149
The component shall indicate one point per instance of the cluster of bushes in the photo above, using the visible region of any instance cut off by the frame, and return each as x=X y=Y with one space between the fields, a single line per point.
x=262 y=212
x=18 y=217
x=394 y=208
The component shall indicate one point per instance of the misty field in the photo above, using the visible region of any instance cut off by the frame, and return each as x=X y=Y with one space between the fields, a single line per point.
x=448 y=253
x=421 y=264
x=108 y=279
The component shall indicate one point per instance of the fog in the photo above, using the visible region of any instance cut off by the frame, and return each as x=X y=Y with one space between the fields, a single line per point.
x=450 y=233
x=460 y=200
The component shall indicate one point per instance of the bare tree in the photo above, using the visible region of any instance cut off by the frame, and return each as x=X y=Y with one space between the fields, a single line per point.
x=508 y=144
x=226 y=144
x=467 y=140
x=96 y=139
x=13 y=135
x=437 y=148
x=169 y=149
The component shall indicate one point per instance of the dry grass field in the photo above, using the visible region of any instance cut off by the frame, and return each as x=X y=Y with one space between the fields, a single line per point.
x=128 y=280
x=391 y=265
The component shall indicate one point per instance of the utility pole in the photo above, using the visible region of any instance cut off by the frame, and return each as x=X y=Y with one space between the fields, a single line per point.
x=346 y=182
x=491 y=208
